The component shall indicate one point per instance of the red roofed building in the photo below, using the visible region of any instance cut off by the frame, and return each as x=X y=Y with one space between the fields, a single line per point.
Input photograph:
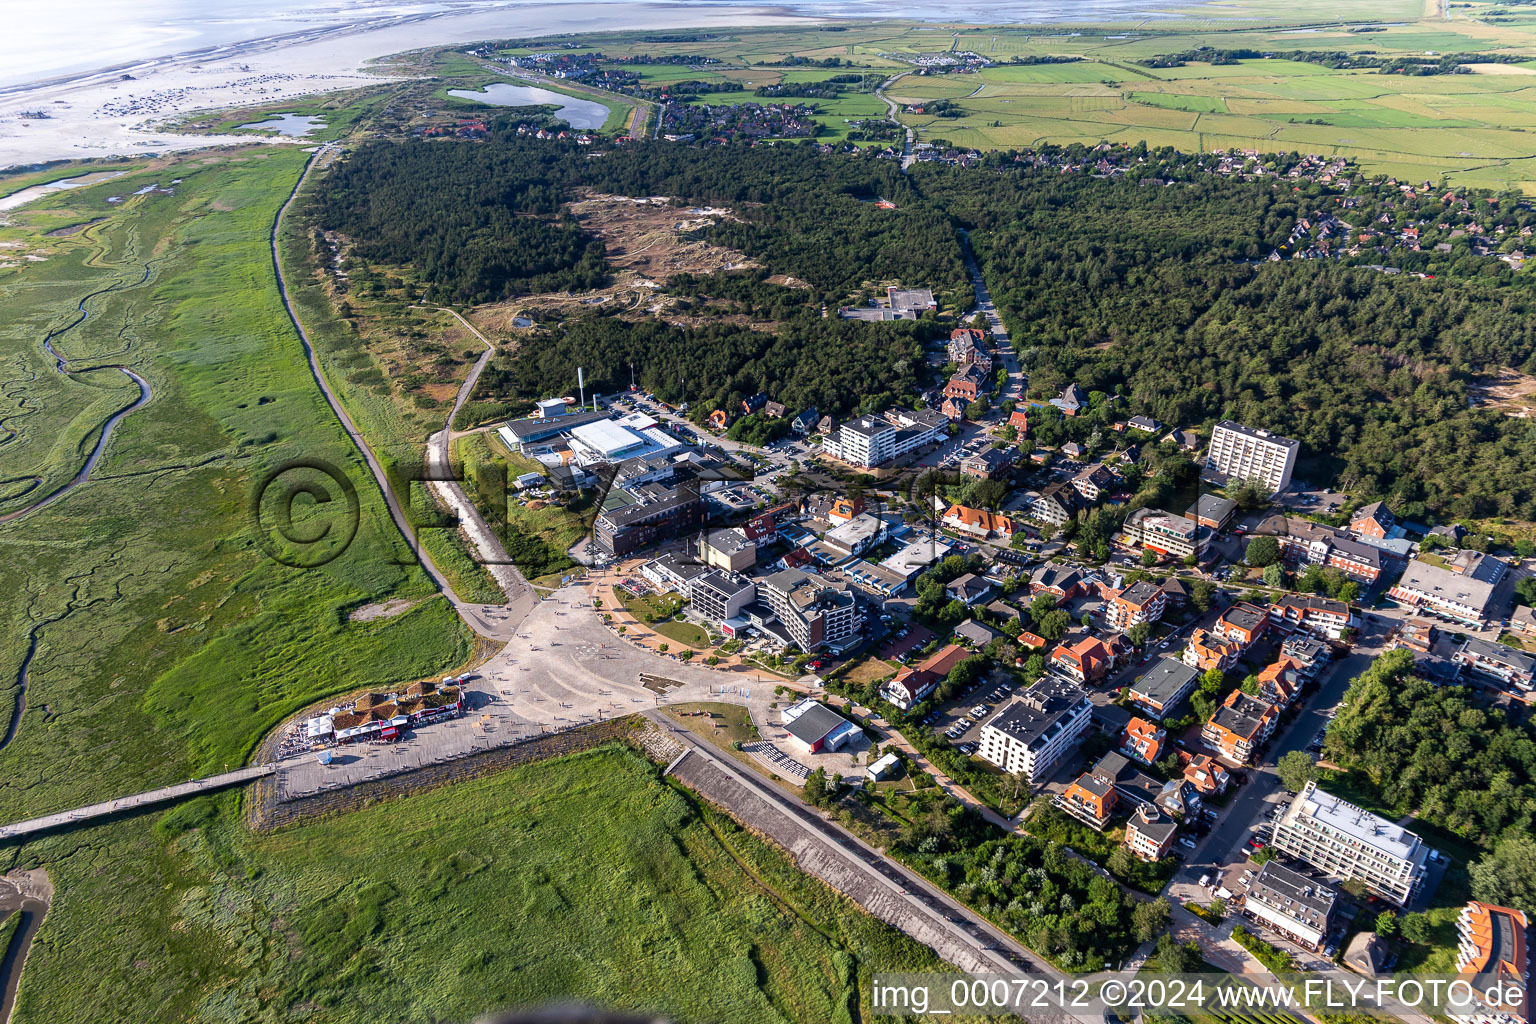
x=978 y=522
x=1085 y=661
x=914 y=682
x=1142 y=740
x=1208 y=775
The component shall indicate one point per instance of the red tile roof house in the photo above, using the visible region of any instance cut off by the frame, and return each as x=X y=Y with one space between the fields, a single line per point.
x=914 y=682
x=1142 y=740
x=1085 y=661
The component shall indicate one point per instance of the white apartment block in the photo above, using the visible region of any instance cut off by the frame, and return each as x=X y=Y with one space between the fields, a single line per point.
x=1346 y=842
x=1243 y=453
x=1031 y=734
x=870 y=441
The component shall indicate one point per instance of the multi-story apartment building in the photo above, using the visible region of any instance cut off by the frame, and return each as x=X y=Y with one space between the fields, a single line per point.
x=1348 y=842
x=1143 y=740
x=1493 y=946
x=1056 y=504
x=1084 y=661
x=870 y=441
x=1298 y=907
x=1240 y=726
x=1319 y=616
x=1149 y=834
x=718 y=596
x=1162 y=533
x=1163 y=687
x=1243 y=623
x=815 y=612
x=1244 y=453
x=1032 y=733
x=1207 y=651
x=1139 y=602
x=1090 y=799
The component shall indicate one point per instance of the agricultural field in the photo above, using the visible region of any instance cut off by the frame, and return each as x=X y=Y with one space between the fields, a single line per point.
x=449 y=904
x=1470 y=128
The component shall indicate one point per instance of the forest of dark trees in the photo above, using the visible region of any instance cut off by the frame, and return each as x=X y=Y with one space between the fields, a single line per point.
x=480 y=222
x=1161 y=293
x=1158 y=293
x=837 y=366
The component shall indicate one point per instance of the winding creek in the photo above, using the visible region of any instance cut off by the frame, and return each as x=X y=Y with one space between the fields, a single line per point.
x=28 y=894
x=61 y=364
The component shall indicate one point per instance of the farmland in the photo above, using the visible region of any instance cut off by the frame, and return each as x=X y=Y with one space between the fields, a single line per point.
x=1473 y=129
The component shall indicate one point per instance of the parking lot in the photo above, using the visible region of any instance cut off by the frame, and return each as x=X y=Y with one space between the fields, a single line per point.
x=900 y=646
x=959 y=721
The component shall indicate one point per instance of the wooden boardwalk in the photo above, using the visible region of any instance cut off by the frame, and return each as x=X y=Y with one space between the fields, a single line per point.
x=22 y=829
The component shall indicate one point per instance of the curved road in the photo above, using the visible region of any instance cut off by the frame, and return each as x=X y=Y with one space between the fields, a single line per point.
x=488 y=620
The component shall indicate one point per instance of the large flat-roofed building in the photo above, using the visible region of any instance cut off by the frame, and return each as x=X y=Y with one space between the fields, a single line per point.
x=1452 y=594
x=870 y=441
x=1349 y=842
x=815 y=613
x=657 y=514
x=730 y=549
x=529 y=435
x=718 y=596
x=1163 y=687
x=1030 y=735
x=1241 y=453
x=1162 y=532
x=1298 y=907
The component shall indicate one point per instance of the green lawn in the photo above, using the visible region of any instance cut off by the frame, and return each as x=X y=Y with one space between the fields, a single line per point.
x=688 y=633
x=584 y=878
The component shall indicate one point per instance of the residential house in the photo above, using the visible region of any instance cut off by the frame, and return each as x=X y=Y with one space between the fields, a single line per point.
x=1007 y=612
x=1373 y=520
x=1056 y=504
x=1072 y=400
x=719 y=419
x=1208 y=775
x=1417 y=635
x=1207 y=651
x=1032 y=733
x=1143 y=740
x=1496 y=661
x=1063 y=582
x=1187 y=440
x=1093 y=482
x=977 y=522
x=1240 y=727
x=978 y=634
x=969 y=589
x=804 y=423
x=1179 y=800
x=1090 y=799
x=1176 y=591
x=826 y=425
x=1073 y=450
x=1085 y=660
x=1163 y=687
x=953 y=409
x=774 y=410
x=1280 y=682
x=915 y=682
x=1140 y=602
x=1143 y=423
x=755 y=402
x=1019 y=421
x=1149 y=834
x=987 y=464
